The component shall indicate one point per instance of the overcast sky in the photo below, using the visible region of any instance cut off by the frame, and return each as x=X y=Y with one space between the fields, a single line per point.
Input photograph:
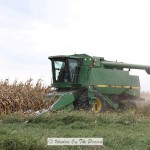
x=32 y=30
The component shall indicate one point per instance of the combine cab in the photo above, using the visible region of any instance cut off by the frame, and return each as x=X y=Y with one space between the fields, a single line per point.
x=92 y=83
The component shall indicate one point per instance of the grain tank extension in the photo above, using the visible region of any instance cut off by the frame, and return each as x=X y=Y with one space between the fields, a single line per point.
x=93 y=83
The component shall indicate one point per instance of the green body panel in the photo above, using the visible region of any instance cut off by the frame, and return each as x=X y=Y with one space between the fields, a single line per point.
x=66 y=85
x=84 y=75
x=111 y=81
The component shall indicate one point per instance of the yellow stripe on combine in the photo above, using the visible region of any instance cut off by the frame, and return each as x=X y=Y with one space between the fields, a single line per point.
x=135 y=87
x=127 y=87
x=117 y=86
x=101 y=85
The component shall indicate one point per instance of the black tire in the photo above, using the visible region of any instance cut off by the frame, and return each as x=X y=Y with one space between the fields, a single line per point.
x=131 y=106
x=82 y=101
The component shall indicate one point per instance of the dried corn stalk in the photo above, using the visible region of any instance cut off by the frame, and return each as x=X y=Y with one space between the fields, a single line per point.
x=22 y=97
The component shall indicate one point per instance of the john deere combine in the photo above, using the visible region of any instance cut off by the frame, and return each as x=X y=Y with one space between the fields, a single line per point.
x=85 y=82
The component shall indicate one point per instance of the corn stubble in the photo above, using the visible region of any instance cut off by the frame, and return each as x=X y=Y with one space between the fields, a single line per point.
x=20 y=97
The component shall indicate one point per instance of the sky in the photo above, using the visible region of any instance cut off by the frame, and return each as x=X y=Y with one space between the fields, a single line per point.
x=32 y=30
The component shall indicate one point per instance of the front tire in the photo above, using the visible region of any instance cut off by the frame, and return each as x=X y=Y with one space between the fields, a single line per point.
x=99 y=105
x=82 y=101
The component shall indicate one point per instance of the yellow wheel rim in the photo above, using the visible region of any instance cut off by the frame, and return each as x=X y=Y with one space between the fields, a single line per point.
x=97 y=106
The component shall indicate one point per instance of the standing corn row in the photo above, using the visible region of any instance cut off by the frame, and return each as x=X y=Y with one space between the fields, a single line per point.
x=22 y=97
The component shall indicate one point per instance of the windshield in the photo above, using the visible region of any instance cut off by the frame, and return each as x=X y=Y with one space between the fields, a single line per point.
x=65 y=70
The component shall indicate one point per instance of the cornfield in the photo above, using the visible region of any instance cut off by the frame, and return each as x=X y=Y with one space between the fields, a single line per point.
x=20 y=97
x=26 y=97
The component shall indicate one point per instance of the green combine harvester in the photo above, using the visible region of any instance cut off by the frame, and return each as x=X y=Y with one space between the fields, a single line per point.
x=93 y=83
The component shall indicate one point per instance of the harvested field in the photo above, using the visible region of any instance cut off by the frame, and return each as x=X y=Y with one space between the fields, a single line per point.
x=120 y=131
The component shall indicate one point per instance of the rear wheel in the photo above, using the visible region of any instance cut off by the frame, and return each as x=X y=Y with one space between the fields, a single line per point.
x=128 y=105
x=131 y=106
